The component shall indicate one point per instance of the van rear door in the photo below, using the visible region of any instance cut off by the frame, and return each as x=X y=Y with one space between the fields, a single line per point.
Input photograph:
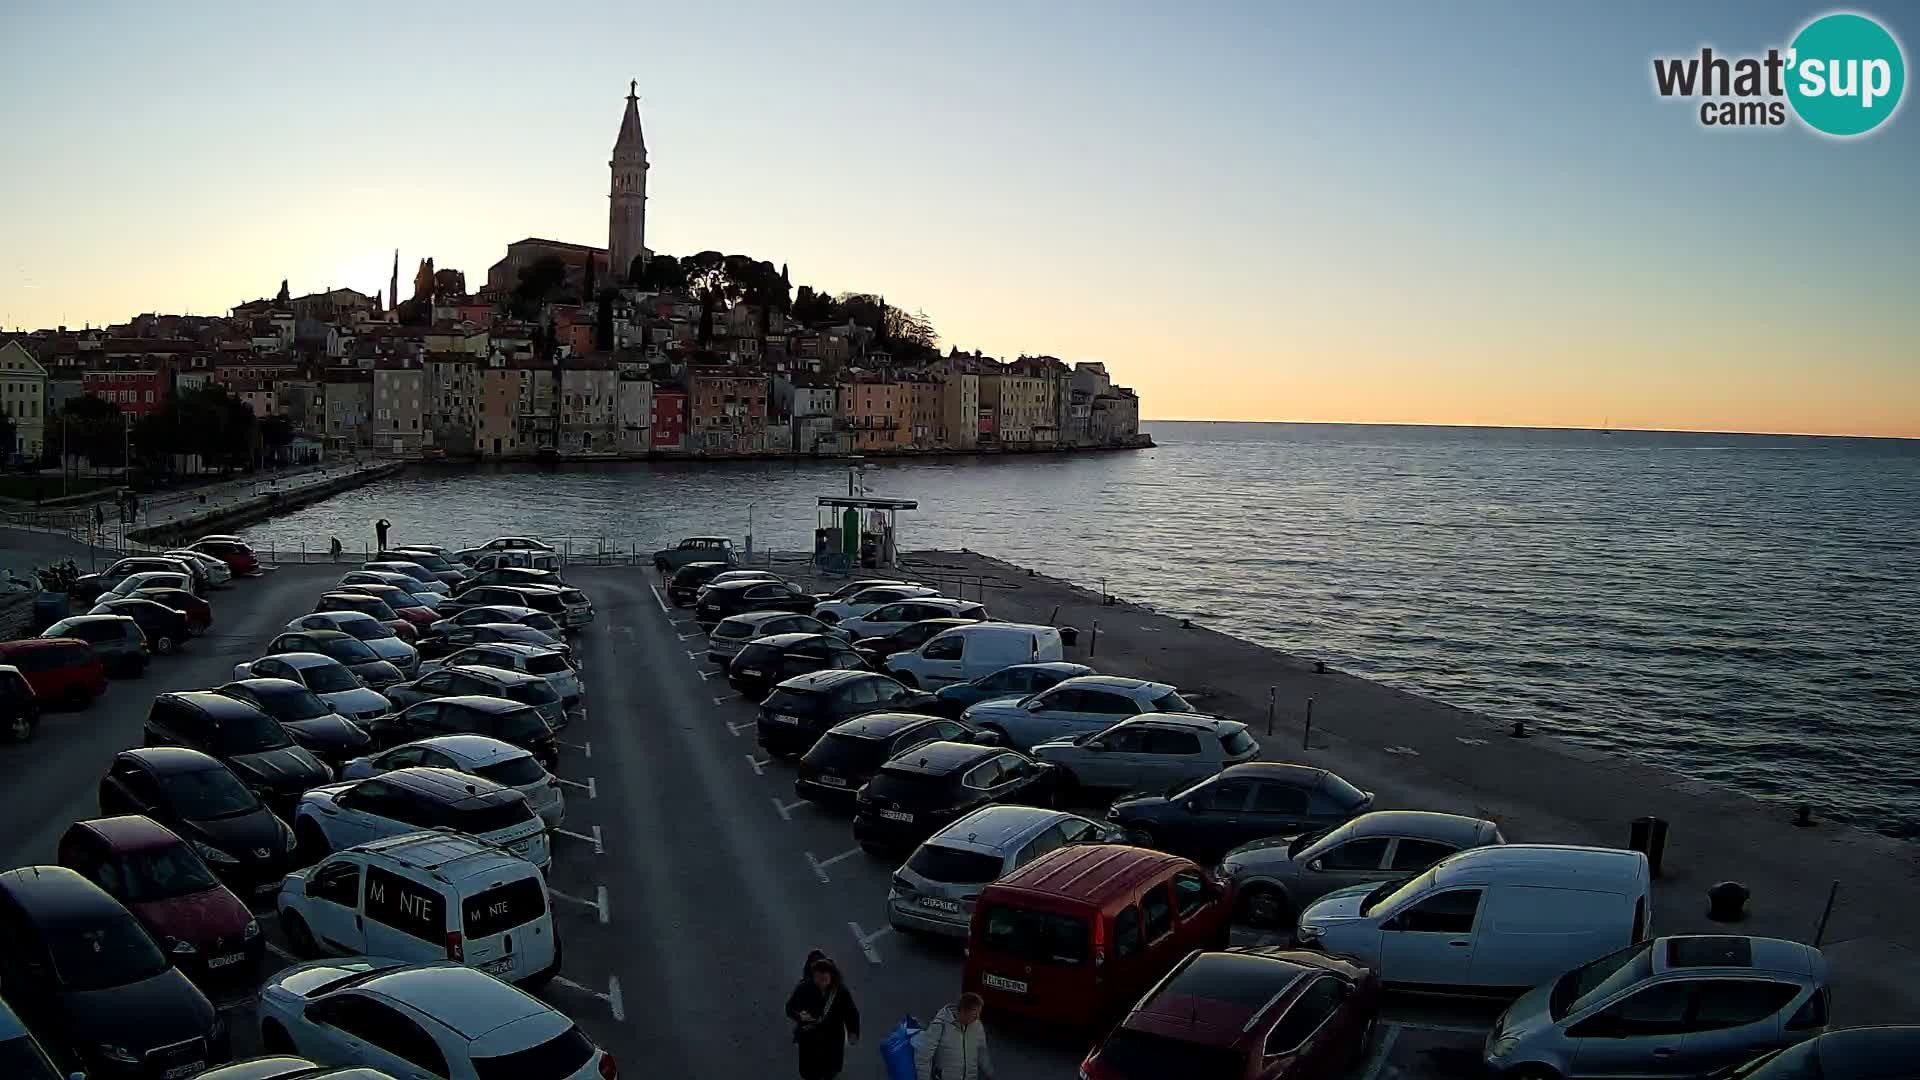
x=507 y=931
x=1034 y=961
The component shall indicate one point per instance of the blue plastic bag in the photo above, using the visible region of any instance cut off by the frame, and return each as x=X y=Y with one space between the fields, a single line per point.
x=896 y=1050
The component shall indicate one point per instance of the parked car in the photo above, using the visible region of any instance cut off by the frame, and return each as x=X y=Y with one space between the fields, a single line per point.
x=477 y=755
x=431 y=593
x=444 y=1019
x=919 y=791
x=199 y=613
x=237 y=554
x=684 y=586
x=64 y=672
x=768 y=661
x=340 y=688
x=166 y=628
x=355 y=655
x=216 y=570
x=204 y=928
x=116 y=639
x=410 y=576
x=414 y=609
x=1243 y=803
x=508 y=721
x=1495 y=920
x=204 y=803
x=1075 y=936
x=1246 y=1014
x=933 y=892
x=500 y=613
x=695 y=549
x=1149 y=753
x=847 y=589
x=1274 y=878
x=1077 y=706
x=848 y=755
x=539 y=598
x=725 y=576
x=156 y=579
x=338 y=816
x=26 y=1059
x=801 y=709
x=288 y=1067
x=89 y=978
x=377 y=635
x=735 y=632
x=508 y=575
x=1672 y=1006
x=244 y=739
x=502 y=543
x=911 y=636
x=441 y=644
x=517 y=686
x=426 y=896
x=539 y=661
x=19 y=707
x=368 y=605
x=892 y=618
x=740 y=597
x=1866 y=1053
x=91 y=586
x=311 y=722
x=530 y=559
x=833 y=611
x=449 y=571
x=1012 y=681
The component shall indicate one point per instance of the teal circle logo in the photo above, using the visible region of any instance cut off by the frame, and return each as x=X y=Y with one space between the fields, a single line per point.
x=1845 y=74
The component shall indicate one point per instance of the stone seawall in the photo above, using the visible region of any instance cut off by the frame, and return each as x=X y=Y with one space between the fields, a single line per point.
x=190 y=524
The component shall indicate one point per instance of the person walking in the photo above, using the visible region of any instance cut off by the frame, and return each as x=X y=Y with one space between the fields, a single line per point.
x=954 y=1046
x=825 y=1019
x=380 y=532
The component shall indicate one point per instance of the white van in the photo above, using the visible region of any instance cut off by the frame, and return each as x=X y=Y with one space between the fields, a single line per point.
x=965 y=653
x=1492 y=920
x=524 y=560
x=423 y=896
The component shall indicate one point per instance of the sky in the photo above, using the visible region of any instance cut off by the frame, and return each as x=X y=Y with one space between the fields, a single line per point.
x=1474 y=213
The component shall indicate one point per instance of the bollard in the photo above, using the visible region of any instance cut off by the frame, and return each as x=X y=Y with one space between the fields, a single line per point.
x=1648 y=836
x=1727 y=902
x=1093 y=639
x=1054 y=619
x=1319 y=667
x=1271 y=691
x=1803 y=816
x=1820 y=932
x=1519 y=730
x=1306 y=733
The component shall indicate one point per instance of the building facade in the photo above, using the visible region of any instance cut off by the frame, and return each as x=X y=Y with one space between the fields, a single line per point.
x=669 y=420
x=23 y=394
x=399 y=410
x=726 y=411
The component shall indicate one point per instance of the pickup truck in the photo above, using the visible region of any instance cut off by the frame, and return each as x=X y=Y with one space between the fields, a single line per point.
x=695 y=549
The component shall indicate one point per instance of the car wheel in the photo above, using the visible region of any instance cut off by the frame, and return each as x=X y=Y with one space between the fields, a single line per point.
x=1530 y=1072
x=313 y=842
x=274 y=1038
x=163 y=645
x=1140 y=837
x=20 y=728
x=299 y=936
x=1265 y=907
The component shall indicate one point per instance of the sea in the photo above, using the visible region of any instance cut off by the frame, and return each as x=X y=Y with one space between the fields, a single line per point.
x=1742 y=609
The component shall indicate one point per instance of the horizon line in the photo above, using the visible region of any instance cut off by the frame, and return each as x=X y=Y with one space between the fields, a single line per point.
x=1530 y=427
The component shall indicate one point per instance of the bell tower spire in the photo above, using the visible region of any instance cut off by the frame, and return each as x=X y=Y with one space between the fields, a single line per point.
x=627 y=209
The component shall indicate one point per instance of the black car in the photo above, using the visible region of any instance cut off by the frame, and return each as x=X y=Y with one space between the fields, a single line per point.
x=238 y=836
x=802 y=708
x=906 y=639
x=763 y=662
x=1238 y=805
x=246 y=740
x=471 y=714
x=165 y=627
x=848 y=755
x=922 y=791
x=94 y=986
x=685 y=584
x=539 y=598
x=509 y=575
x=496 y=613
x=444 y=643
x=313 y=724
x=356 y=655
x=740 y=597
x=1868 y=1053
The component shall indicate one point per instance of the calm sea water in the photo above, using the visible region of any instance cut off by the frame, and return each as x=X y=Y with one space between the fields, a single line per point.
x=1744 y=609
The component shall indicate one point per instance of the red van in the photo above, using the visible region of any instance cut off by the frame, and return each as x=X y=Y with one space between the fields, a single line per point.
x=62 y=671
x=1076 y=935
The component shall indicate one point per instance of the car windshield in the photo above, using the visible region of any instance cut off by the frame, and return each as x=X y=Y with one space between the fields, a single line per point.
x=1137 y=1055
x=520 y=727
x=1306 y=840
x=532 y=693
x=563 y=1055
x=328 y=679
x=162 y=873
x=572 y=596
x=793 y=702
x=1171 y=701
x=1595 y=982
x=205 y=794
x=548 y=664
x=954 y=867
x=910 y=788
x=402 y=598
x=365 y=629
x=249 y=731
x=113 y=952
x=491 y=818
x=428 y=560
x=1392 y=892
x=1236 y=741
x=847 y=752
x=348 y=650
x=514 y=772
x=290 y=703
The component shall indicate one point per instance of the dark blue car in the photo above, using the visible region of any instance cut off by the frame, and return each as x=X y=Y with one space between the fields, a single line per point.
x=1018 y=680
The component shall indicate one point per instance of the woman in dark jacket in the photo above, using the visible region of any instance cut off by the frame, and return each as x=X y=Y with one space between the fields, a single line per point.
x=825 y=1020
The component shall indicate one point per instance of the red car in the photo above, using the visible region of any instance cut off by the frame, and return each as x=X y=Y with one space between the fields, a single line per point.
x=62 y=671
x=1245 y=1014
x=404 y=604
x=204 y=927
x=199 y=613
x=367 y=604
x=235 y=553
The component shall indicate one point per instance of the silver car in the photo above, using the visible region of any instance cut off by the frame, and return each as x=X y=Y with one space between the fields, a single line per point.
x=1152 y=752
x=486 y=682
x=1278 y=876
x=548 y=664
x=378 y=635
x=734 y=632
x=477 y=755
x=1672 y=1006
x=1077 y=706
x=934 y=890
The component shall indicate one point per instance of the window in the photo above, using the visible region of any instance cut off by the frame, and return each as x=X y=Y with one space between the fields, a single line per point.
x=1126 y=740
x=1655 y=1010
x=1042 y=936
x=1158 y=911
x=1309 y=1011
x=1277 y=798
x=1414 y=856
x=1227 y=796
x=503 y=907
x=1449 y=912
x=1189 y=893
x=1358 y=855
x=1724 y=1003
x=1059 y=699
x=863 y=692
x=984 y=775
x=1113 y=704
x=1164 y=741
x=337 y=883
x=947 y=647
x=384 y=1028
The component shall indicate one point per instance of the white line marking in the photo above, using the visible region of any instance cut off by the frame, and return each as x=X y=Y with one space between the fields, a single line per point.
x=599 y=848
x=1464 y=741
x=282 y=953
x=237 y=1003
x=786 y=809
x=690 y=637
x=820 y=865
x=586 y=787
x=571 y=899
x=710 y=674
x=658 y=599
x=695 y=655
x=759 y=764
x=740 y=727
x=866 y=940
x=1404 y=751
x=724 y=698
x=600 y=901
x=614 y=1001
x=1378 y=1059
x=593 y=788
x=584 y=747
x=563 y=981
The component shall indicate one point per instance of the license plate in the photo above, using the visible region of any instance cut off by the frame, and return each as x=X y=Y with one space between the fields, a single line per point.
x=786 y=718
x=831 y=781
x=1011 y=986
x=223 y=961
x=896 y=815
x=938 y=904
x=497 y=968
x=191 y=1068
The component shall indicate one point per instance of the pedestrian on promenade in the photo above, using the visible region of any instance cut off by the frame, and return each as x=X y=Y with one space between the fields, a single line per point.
x=825 y=1019
x=335 y=549
x=954 y=1046
x=380 y=531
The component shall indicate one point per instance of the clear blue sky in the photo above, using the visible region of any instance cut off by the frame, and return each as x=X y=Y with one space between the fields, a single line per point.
x=1421 y=212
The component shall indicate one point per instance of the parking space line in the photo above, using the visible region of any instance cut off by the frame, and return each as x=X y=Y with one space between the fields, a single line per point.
x=759 y=764
x=709 y=674
x=588 y=787
x=820 y=865
x=690 y=637
x=600 y=901
x=741 y=726
x=1455 y=1029
x=866 y=940
x=786 y=809
x=661 y=600
x=614 y=1001
x=694 y=654
x=1378 y=1059
x=584 y=747
x=233 y=1003
x=598 y=904
x=724 y=698
x=599 y=848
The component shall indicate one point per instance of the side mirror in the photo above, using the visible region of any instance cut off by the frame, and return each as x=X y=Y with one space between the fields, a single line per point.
x=1317 y=864
x=1096 y=745
x=987 y=738
x=1193 y=805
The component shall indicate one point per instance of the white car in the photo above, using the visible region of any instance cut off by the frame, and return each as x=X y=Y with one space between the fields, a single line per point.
x=334 y=817
x=153 y=579
x=501 y=543
x=1077 y=706
x=342 y=690
x=476 y=755
x=550 y=665
x=888 y=618
x=433 y=592
x=1150 y=753
x=832 y=611
x=377 y=635
x=383 y=1014
x=217 y=570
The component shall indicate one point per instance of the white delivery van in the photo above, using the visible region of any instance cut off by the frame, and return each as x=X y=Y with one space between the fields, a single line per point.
x=1493 y=920
x=424 y=896
x=524 y=560
x=965 y=653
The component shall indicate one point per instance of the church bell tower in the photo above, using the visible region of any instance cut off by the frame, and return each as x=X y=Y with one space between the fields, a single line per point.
x=627 y=209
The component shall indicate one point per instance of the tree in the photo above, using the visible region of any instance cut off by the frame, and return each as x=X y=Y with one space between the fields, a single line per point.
x=909 y=334
x=663 y=274
x=592 y=287
x=208 y=422
x=8 y=432
x=539 y=282
x=603 y=324
x=276 y=434
x=92 y=427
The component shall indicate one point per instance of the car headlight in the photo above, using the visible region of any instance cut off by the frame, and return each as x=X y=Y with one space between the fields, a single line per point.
x=212 y=854
x=1227 y=868
x=116 y=1052
x=252 y=931
x=1501 y=1047
x=1308 y=932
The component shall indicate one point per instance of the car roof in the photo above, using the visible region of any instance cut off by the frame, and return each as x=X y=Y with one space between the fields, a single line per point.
x=1215 y=997
x=755 y=618
x=55 y=895
x=483 y=703
x=332 y=616
x=707 y=539
x=1597 y=867
x=448 y=785
x=503 y=676
x=1300 y=775
x=517 y=648
x=475 y=749
x=170 y=760
x=22 y=644
x=468 y=1000
x=1121 y=683
x=326 y=635
x=1197 y=721
x=345 y=594
x=1695 y=952
x=217 y=704
x=517 y=610
x=130 y=832
x=89 y=619
x=994 y=829
x=743 y=584
x=1451 y=828
x=301 y=661
x=781 y=641
x=941 y=758
x=1088 y=873
x=266 y=685
x=448 y=855
x=882 y=725
x=1875 y=1051
x=821 y=680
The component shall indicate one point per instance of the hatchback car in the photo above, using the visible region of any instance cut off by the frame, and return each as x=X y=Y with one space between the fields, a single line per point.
x=509 y=721
x=89 y=978
x=503 y=543
x=311 y=722
x=508 y=576
x=199 y=613
x=476 y=755
x=934 y=890
x=895 y=617
x=683 y=588
x=858 y=585
x=432 y=590
x=499 y=613
x=1245 y=1014
x=465 y=680
x=725 y=576
x=919 y=792
x=166 y=628
x=1078 y=706
x=1865 y=1053
x=417 y=610
x=531 y=596
x=801 y=709
x=359 y=657
x=695 y=549
x=64 y=672
x=1671 y=1006
x=1150 y=753
x=340 y=688
x=833 y=611
x=1276 y=877
x=442 y=643
x=1016 y=681
x=539 y=661
x=768 y=661
x=216 y=570
x=116 y=639
x=1244 y=803
x=237 y=554
x=718 y=601
x=368 y=605
x=450 y=571
x=204 y=803
x=156 y=579
x=338 y=816
x=241 y=737
x=19 y=708
x=377 y=636
x=848 y=755
x=735 y=632
x=430 y=580
x=910 y=636
x=202 y=925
